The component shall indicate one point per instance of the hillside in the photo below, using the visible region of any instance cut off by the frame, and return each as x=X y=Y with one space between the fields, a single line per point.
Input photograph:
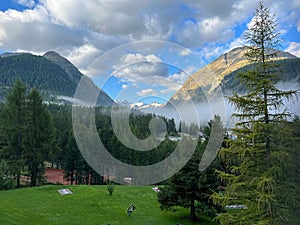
x=51 y=74
x=290 y=74
x=88 y=205
x=222 y=72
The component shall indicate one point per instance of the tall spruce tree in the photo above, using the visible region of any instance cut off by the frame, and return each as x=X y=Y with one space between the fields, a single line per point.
x=39 y=136
x=257 y=161
x=14 y=129
x=74 y=163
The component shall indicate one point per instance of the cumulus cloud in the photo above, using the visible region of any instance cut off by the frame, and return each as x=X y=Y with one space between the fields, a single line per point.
x=147 y=92
x=82 y=56
x=134 y=58
x=32 y=30
x=83 y=30
x=185 y=52
x=135 y=72
x=151 y=71
x=294 y=48
x=133 y=67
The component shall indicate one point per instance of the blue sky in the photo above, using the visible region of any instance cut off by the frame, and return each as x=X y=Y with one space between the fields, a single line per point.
x=138 y=49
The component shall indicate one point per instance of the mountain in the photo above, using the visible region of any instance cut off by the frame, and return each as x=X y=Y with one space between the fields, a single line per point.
x=222 y=71
x=290 y=76
x=54 y=76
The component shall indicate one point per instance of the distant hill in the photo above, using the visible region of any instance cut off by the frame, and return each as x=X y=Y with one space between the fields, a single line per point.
x=223 y=71
x=51 y=74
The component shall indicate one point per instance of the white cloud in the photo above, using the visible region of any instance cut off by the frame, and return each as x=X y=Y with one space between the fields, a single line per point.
x=110 y=23
x=147 y=92
x=81 y=56
x=151 y=71
x=185 y=52
x=28 y=3
x=32 y=30
x=135 y=72
x=168 y=84
x=161 y=20
x=294 y=48
x=130 y=18
x=134 y=58
x=180 y=77
x=207 y=30
x=134 y=67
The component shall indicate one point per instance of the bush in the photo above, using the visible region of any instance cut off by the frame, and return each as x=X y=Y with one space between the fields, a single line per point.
x=6 y=180
x=206 y=210
x=110 y=187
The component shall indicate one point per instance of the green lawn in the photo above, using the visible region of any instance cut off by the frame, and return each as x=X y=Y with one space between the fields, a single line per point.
x=88 y=205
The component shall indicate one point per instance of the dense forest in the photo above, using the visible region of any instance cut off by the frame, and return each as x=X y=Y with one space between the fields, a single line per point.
x=60 y=148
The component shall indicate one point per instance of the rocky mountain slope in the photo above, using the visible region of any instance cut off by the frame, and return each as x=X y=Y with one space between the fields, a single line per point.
x=222 y=71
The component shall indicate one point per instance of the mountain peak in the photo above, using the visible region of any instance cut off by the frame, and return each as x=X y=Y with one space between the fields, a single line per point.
x=51 y=53
x=55 y=57
x=209 y=77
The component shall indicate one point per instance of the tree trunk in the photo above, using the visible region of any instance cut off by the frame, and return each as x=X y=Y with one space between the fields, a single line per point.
x=267 y=132
x=19 y=166
x=193 y=216
x=18 y=178
x=33 y=177
x=72 y=177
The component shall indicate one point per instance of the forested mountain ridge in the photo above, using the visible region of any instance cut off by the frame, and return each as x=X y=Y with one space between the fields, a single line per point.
x=51 y=74
x=290 y=68
x=222 y=72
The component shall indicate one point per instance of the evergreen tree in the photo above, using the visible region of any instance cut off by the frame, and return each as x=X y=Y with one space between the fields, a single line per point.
x=190 y=187
x=14 y=129
x=73 y=162
x=39 y=136
x=256 y=163
x=61 y=115
x=293 y=173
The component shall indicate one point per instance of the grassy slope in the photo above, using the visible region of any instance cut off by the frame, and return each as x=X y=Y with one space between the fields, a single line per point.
x=88 y=205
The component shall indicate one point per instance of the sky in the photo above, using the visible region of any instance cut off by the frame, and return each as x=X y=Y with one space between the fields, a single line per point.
x=137 y=50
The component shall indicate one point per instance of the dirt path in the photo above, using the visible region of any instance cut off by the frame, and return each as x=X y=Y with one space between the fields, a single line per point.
x=56 y=176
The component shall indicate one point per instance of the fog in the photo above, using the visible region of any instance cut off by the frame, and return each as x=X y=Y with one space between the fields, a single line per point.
x=202 y=113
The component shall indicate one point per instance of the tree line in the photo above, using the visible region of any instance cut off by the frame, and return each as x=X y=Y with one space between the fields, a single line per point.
x=35 y=136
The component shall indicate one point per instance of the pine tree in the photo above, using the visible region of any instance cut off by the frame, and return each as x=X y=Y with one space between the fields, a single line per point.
x=14 y=129
x=293 y=173
x=39 y=136
x=258 y=159
x=190 y=187
x=73 y=162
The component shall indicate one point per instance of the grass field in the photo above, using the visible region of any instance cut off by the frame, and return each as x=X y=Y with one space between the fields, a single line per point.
x=89 y=205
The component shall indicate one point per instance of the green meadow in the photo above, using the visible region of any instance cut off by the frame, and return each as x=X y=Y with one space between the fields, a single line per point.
x=88 y=205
